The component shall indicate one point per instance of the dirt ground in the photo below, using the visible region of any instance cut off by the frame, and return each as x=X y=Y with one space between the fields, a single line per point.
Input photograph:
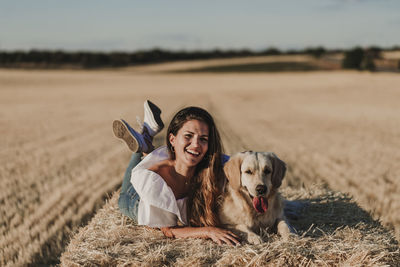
x=60 y=159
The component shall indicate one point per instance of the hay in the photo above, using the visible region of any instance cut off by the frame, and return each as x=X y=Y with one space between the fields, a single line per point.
x=332 y=230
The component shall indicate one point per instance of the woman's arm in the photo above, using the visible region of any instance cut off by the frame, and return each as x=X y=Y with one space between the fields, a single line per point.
x=218 y=235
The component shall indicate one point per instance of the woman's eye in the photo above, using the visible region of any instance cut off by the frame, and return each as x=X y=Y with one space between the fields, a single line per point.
x=188 y=136
x=205 y=140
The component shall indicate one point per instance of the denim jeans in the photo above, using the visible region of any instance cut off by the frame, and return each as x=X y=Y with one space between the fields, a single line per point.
x=129 y=199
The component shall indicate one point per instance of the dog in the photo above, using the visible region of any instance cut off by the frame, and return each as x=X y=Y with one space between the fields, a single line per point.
x=251 y=200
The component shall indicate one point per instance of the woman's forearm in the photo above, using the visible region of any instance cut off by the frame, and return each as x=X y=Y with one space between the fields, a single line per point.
x=185 y=232
x=218 y=235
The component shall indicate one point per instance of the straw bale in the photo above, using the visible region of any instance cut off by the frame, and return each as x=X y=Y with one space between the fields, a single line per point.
x=332 y=230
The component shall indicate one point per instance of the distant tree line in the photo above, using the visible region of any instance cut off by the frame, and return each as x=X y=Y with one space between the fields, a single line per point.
x=44 y=58
x=112 y=59
x=356 y=58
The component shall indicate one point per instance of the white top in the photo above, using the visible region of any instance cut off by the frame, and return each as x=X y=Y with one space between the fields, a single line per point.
x=158 y=206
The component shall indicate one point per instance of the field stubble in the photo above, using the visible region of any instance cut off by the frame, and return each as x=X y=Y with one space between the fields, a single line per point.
x=59 y=159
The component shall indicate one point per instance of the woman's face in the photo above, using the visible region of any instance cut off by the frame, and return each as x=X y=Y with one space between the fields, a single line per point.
x=191 y=142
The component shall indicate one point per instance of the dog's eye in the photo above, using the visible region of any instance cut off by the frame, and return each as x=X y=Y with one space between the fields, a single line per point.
x=249 y=172
x=267 y=171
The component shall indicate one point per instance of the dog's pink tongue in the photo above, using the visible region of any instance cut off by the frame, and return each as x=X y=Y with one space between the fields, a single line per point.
x=260 y=204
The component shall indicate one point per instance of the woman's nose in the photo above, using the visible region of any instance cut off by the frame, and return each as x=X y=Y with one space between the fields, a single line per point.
x=195 y=142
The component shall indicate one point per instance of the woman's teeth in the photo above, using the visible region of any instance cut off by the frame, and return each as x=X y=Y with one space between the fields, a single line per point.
x=194 y=153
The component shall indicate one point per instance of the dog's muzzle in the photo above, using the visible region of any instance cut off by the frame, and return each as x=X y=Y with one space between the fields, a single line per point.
x=260 y=202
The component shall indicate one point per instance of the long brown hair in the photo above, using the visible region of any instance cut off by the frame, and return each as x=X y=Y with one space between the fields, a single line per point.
x=208 y=178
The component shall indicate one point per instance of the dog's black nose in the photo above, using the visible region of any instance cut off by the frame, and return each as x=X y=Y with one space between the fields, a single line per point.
x=261 y=189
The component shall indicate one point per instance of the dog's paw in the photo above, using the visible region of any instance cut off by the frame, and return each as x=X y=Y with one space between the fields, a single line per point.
x=254 y=239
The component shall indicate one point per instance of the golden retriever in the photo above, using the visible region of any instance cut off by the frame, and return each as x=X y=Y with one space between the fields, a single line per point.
x=251 y=200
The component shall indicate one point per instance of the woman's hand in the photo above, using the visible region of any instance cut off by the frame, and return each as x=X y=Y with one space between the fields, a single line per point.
x=220 y=236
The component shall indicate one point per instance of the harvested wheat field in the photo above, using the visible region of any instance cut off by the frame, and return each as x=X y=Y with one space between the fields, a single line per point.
x=60 y=161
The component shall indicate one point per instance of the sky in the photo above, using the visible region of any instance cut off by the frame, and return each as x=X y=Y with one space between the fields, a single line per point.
x=129 y=25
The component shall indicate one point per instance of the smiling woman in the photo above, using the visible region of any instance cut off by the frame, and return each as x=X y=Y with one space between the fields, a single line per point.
x=175 y=187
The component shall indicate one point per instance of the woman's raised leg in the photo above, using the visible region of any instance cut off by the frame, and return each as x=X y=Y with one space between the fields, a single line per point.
x=140 y=144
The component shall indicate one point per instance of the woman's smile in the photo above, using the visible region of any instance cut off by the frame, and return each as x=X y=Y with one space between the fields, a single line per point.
x=194 y=153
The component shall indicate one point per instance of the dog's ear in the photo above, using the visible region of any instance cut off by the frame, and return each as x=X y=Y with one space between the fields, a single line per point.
x=278 y=170
x=232 y=170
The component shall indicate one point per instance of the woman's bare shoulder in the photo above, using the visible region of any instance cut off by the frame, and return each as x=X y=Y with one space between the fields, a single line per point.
x=161 y=167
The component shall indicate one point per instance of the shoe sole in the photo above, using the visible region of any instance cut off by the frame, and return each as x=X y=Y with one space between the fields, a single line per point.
x=156 y=114
x=121 y=131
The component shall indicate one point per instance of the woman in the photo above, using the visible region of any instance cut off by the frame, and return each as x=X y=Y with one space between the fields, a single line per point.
x=179 y=183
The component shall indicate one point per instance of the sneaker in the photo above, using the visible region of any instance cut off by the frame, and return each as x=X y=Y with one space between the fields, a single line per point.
x=133 y=139
x=152 y=118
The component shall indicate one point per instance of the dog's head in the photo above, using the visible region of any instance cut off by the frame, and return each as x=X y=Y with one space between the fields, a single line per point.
x=258 y=173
